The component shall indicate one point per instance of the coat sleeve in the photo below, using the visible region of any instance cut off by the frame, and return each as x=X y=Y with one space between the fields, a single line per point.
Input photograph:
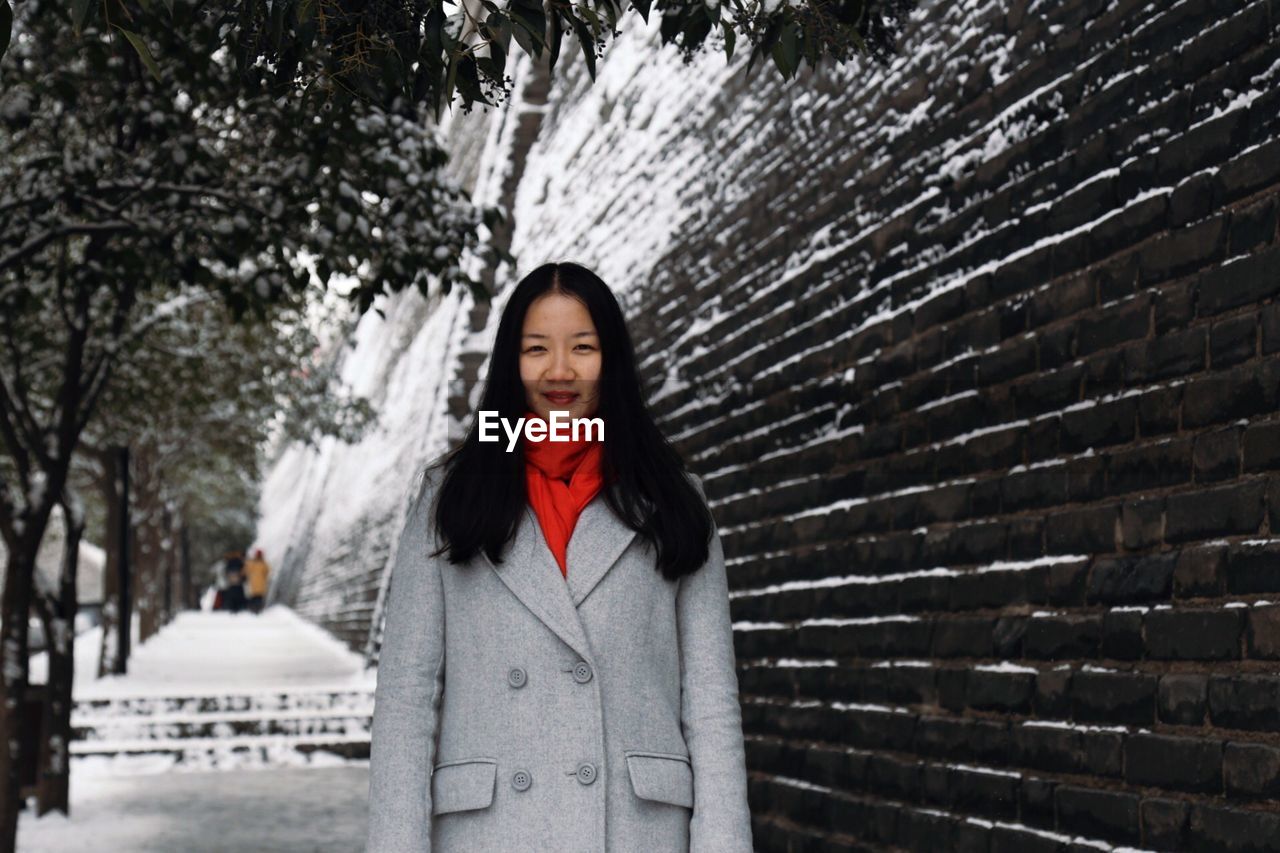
x=410 y=683
x=711 y=716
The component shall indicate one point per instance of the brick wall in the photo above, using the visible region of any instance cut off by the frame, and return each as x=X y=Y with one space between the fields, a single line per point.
x=995 y=462
x=979 y=358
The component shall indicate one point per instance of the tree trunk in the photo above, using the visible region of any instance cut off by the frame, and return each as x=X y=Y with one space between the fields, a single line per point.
x=170 y=566
x=148 y=528
x=17 y=602
x=189 y=599
x=14 y=648
x=59 y=617
x=108 y=487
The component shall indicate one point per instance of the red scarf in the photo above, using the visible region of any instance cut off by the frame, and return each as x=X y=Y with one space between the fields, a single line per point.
x=561 y=478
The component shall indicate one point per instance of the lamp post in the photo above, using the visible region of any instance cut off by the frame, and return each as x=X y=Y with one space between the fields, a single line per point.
x=125 y=625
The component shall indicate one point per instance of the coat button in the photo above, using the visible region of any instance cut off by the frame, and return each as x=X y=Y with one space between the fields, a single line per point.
x=521 y=780
x=516 y=677
x=582 y=672
x=586 y=773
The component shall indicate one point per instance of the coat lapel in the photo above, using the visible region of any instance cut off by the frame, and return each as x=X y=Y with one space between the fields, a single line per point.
x=530 y=571
x=598 y=540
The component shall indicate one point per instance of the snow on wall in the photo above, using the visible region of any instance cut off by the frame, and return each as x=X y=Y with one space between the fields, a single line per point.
x=329 y=516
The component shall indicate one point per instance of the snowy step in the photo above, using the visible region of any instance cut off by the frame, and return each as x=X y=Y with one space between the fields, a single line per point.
x=187 y=703
x=137 y=727
x=124 y=756
x=219 y=691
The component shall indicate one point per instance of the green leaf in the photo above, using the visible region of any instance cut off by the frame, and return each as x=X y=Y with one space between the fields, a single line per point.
x=493 y=64
x=533 y=19
x=729 y=36
x=469 y=81
x=697 y=28
x=672 y=25
x=862 y=13
x=451 y=77
x=79 y=14
x=751 y=60
x=276 y=24
x=589 y=14
x=6 y=26
x=522 y=37
x=144 y=53
x=611 y=14
x=423 y=82
x=557 y=35
x=588 y=43
x=432 y=36
x=811 y=50
x=500 y=25
x=393 y=70
x=771 y=34
x=786 y=52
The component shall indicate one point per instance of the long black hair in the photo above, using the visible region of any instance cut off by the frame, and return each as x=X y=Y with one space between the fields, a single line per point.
x=482 y=495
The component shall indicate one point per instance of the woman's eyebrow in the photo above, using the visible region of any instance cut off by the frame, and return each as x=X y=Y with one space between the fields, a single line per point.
x=583 y=334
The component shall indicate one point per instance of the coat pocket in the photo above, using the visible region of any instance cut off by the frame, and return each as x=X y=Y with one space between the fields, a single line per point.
x=661 y=776
x=462 y=784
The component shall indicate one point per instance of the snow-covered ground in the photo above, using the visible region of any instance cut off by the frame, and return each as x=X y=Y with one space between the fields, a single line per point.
x=222 y=690
x=282 y=810
x=203 y=652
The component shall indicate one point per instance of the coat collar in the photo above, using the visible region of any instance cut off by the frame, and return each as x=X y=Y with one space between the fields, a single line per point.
x=531 y=573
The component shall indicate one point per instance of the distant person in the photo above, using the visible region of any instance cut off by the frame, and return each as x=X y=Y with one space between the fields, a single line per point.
x=233 y=597
x=256 y=572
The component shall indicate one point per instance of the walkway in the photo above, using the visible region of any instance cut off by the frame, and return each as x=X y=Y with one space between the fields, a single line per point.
x=230 y=732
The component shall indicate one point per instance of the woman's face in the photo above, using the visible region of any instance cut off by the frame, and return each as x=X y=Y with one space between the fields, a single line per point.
x=560 y=357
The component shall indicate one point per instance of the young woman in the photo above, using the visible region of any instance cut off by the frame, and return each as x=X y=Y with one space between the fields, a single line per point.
x=557 y=669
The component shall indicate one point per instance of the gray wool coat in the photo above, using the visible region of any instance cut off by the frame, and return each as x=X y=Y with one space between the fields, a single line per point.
x=517 y=710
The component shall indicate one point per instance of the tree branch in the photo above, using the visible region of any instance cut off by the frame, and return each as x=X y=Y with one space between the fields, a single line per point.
x=18 y=426
x=35 y=244
x=8 y=513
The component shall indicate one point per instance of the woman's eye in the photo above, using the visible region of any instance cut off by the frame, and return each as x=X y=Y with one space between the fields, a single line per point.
x=585 y=346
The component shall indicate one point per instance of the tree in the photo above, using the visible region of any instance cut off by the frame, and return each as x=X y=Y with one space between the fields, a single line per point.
x=133 y=193
x=196 y=400
x=378 y=50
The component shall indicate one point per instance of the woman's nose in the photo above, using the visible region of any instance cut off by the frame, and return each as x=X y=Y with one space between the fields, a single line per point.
x=560 y=367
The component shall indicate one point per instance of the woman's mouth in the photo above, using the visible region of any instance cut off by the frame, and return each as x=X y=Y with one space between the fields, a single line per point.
x=560 y=398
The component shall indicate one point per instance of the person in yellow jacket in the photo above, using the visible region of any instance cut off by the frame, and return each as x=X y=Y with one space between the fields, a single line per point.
x=256 y=571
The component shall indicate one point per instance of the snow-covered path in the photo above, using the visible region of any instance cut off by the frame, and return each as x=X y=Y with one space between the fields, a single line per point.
x=230 y=732
x=216 y=651
x=282 y=810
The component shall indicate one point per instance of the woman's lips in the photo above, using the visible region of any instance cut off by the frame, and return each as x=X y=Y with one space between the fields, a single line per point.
x=560 y=397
